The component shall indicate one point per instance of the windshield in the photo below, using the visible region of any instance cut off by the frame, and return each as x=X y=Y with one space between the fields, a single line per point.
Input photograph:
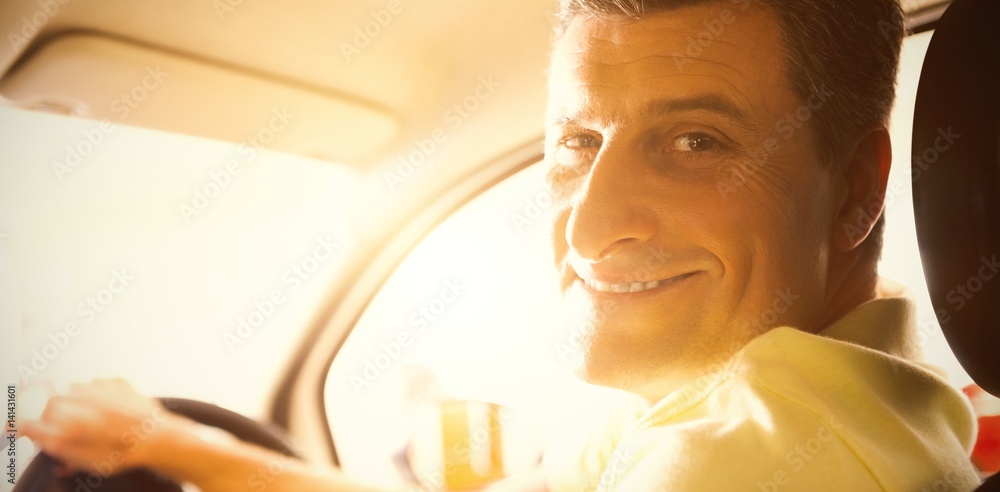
x=189 y=265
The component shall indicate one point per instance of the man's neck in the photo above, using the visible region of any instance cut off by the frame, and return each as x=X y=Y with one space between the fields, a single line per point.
x=853 y=281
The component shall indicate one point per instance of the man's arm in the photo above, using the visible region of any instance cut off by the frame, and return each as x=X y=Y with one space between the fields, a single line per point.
x=106 y=427
x=220 y=466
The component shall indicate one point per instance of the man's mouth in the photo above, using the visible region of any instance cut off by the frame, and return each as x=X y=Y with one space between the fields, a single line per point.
x=631 y=287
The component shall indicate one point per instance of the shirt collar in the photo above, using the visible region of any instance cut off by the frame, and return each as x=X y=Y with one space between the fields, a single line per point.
x=887 y=323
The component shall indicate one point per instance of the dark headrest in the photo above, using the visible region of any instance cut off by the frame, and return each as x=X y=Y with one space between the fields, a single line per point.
x=956 y=183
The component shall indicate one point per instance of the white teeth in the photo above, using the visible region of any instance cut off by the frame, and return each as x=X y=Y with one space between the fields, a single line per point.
x=621 y=288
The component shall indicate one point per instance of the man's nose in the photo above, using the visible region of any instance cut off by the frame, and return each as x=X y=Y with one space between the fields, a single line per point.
x=612 y=209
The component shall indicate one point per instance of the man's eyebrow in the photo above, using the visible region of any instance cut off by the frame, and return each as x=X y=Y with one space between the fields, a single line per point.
x=712 y=103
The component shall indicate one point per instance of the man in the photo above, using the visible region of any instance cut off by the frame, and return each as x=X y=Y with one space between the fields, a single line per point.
x=745 y=143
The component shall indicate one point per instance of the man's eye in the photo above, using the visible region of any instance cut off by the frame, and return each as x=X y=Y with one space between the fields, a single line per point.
x=581 y=142
x=571 y=157
x=695 y=142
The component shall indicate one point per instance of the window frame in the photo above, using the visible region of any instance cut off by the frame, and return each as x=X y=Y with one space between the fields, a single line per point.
x=301 y=393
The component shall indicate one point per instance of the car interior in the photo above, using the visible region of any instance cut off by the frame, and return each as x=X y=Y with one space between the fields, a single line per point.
x=321 y=226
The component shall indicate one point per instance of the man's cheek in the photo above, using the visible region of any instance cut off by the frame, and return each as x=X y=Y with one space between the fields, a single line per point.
x=772 y=200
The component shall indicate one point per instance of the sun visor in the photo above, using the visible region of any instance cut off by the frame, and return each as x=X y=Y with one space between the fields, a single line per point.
x=102 y=78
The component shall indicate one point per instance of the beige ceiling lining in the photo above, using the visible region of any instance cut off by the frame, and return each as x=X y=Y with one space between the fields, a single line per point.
x=103 y=78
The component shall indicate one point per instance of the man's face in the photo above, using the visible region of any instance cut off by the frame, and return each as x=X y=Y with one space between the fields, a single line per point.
x=694 y=211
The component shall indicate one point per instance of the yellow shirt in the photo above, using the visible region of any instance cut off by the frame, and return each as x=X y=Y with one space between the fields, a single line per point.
x=852 y=408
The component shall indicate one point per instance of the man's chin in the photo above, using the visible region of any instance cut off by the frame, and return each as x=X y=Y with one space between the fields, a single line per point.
x=645 y=369
x=611 y=370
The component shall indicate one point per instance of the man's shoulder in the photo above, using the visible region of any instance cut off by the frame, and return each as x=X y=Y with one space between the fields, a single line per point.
x=793 y=411
x=784 y=447
x=868 y=391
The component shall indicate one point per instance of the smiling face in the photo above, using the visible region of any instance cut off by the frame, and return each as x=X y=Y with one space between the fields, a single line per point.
x=694 y=210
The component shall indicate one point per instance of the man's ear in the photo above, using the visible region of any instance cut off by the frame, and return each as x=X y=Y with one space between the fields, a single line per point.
x=866 y=175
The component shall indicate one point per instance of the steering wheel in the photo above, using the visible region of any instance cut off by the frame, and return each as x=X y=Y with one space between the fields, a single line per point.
x=41 y=474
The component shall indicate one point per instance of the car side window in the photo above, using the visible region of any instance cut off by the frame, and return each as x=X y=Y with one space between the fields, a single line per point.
x=471 y=314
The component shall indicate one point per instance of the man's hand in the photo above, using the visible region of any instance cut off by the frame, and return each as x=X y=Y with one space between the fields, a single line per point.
x=103 y=427
x=106 y=427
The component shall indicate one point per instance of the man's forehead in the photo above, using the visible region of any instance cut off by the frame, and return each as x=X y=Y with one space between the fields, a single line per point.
x=691 y=50
x=683 y=35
